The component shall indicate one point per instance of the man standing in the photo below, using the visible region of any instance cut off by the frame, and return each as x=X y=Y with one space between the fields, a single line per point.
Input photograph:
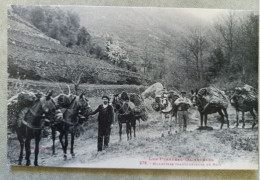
x=183 y=105
x=105 y=120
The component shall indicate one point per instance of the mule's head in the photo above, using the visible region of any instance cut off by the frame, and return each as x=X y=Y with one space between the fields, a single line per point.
x=164 y=101
x=236 y=98
x=83 y=106
x=43 y=105
x=48 y=104
x=194 y=97
x=116 y=101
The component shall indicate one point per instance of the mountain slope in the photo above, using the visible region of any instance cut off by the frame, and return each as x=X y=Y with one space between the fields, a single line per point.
x=34 y=54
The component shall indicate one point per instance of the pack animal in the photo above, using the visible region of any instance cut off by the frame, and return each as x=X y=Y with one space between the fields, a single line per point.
x=165 y=105
x=242 y=105
x=125 y=114
x=32 y=125
x=205 y=108
x=66 y=121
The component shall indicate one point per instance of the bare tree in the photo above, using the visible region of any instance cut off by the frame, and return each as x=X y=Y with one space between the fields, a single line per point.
x=192 y=49
x=227 y=29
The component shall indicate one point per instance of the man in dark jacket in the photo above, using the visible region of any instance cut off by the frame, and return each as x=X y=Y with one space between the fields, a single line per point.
x=105 y=120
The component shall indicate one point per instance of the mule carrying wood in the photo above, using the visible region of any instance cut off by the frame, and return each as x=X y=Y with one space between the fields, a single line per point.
x=248 y=93
x=139 y=108
x=213 y=96
x=17 y=106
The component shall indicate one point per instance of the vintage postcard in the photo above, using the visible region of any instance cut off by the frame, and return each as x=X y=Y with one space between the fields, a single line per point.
x=140 y=88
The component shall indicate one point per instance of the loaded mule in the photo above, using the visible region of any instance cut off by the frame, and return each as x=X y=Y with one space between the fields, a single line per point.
x=203 y=100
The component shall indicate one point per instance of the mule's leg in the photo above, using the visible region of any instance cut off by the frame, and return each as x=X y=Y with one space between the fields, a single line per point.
x=61 y=139
x=170 y=124
x=243 y=119
x=62 y=133
x=130 y=129
x=205 y=120
x=237 y=116
x=254 y=117
x=201 y=119
x=134 y=126
x=127 y=130
x=65 y=145
x=120 y=131
x=222 y=118
x=36 y=151
x=163 y=118
x=72 y=145
x=21 y=150
x=53 y=133
x=28 y=151
x=185 y=119
x=226 y=115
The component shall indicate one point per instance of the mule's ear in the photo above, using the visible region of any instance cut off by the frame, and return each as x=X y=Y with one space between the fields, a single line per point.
x=196 y=91
x=49 y=95
x=192 y=92
x=82 y=94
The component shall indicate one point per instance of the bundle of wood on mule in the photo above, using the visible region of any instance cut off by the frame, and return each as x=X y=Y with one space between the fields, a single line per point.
x=136 y=104
x=248 y=93
x=139 y=106
x=156 y=104
x=171 y=95
x=17 y=106
x=213 y=97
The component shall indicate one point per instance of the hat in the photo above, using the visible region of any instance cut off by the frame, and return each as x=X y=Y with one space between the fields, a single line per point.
x=183 y=92
x=105 y=97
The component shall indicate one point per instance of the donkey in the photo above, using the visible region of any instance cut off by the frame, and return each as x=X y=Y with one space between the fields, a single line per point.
x=240 y=104
x=32 y=125
x=125 y=115
x=205 y=108
x=67 y=121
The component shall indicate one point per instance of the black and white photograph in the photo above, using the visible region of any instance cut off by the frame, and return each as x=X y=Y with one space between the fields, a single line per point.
x=132 y=87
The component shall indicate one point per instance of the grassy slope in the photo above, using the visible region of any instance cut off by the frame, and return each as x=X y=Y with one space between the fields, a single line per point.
x=32 y=50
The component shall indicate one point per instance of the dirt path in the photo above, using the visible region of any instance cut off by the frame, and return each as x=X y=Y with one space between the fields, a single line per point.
x=222 y=146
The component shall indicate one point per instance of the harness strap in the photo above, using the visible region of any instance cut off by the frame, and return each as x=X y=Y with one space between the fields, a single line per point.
x=33 y=113
x=69 y=123
x=70 y=104
x=125 y=111
x=29 y=126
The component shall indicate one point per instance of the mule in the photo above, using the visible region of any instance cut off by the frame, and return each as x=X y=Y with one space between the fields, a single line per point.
x=32 y=125
x=66 y=121
x=239 y=103
x=167 y=109
x=125 y=115
x=205 y=108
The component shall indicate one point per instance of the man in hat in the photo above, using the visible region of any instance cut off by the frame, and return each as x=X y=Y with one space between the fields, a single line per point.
x=183 y=104
x=105 y=120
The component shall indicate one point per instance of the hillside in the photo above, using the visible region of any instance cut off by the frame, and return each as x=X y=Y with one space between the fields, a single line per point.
x=35 y=55
x=136 y=28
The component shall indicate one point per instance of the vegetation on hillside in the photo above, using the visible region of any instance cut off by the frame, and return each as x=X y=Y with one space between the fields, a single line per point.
x=170 y=48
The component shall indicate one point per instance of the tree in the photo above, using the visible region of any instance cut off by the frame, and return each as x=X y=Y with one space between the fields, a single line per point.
x=79 y=74
x=116 y=54
x=192 y=49
x=76 y=73
x=248 y=51
x=83 y=36
x=237 y=35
